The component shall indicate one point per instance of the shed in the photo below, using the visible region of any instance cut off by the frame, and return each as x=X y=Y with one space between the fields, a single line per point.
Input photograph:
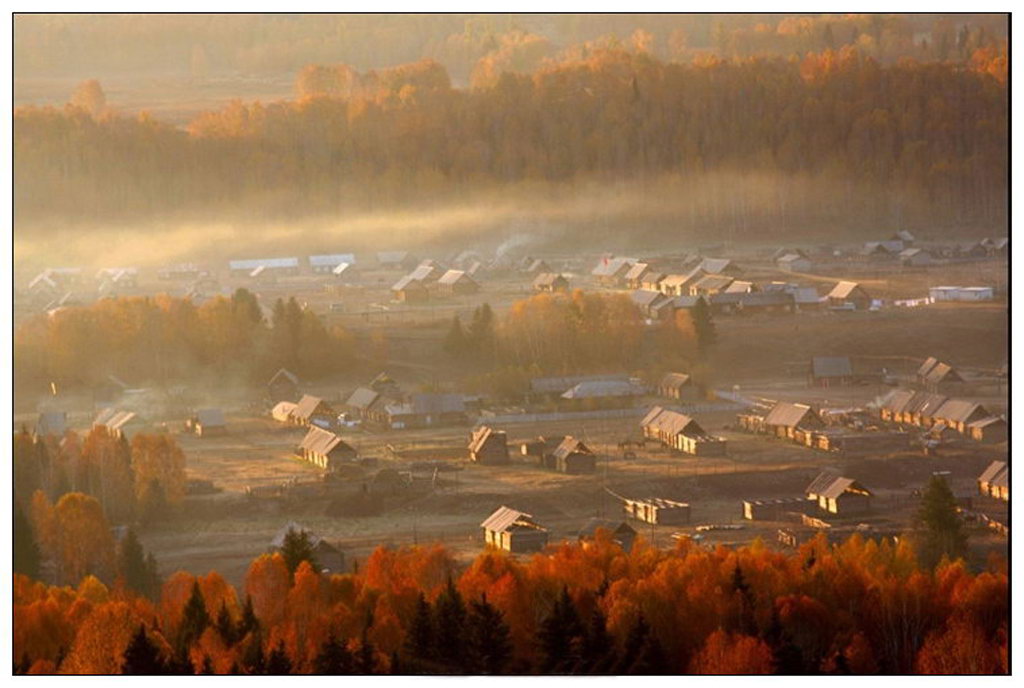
x=514 y=531
x=621 y=533
x=409 y=290
x=827 y=371
x=837 y=494
x=995 y=481
x=283 y=386
x=677 y=386
x=457 y=283
x=488 y=446
x=313 y=411
x=572 y=456
x=849 y=292
x=328 y=558
x=325 y=449
x=785 y=417
x=208 y=422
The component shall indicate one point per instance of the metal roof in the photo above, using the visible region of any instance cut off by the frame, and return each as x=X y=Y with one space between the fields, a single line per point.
x=323 y=442
x=602 y=388
x=331 y=259
x=550 y=385
x=253 y=263
x=407 y=282
x=645 y=297
x=831 y=366
x=674 y=423
x=570 y=445
x=423 y=272
x=307 y=406
x=788 y=414
x=454 y=276
x=843 y=290
x=362 y=398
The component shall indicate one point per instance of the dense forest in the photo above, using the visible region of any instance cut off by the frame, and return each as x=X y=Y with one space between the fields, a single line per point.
x=833 y=139
x=861 y=607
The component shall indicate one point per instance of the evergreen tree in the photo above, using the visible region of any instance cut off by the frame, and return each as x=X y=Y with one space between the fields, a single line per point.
x=419 y=639
x=944 y=534
x=226 y=625
x=136 y=569
x=279 y=664
x=598 y=650
x=142 y=658
x=248 y=623
x=153 y=505
x=451 y=626
x=26 y=551
x=207 y=668
x=195 y=620
x=333 y=658
x=704 y=327
x=559 y=635
x=297 y=548
x=487 y=638
x=455 y=341
x=366 y=658
x=253 y=659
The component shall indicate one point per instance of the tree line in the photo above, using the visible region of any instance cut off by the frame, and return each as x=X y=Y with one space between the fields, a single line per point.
x=859 y=607
x=923 y=142
x=163 y=339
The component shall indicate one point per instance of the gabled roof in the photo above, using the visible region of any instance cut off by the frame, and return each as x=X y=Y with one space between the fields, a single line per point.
x=926 y=404
x=687 y=301
x=424 y=272
x=506 y=518
x=712 y=282
x=602 y=388
x=675 y=281
x=550 y=385
x=986 y=422
x=570 y=445
x=993 y=470
x=903 y=235
x=332 y=260
x=651 y=415
x=739 y=287
x=830 y=485
x=831 y=366
x=481 y=436
x=610 y=266
x=307 y=406
x=823 y=480
x=362 y=398
x=323 y=442
x=408 y=283
x=283 y=411
x=674 y=380
x=646 y=297
x=547 y=279
x=210 y=418
x=926 y=367
x=790 y=258
x=284 y=374
x=959 y=410
x=897 y=400
x=717 y=266
x=843 y=290
x=942 y=372
x=674 y=423
x=455 y=276
x=590 y=528
x=636 y=271
x=788 y=414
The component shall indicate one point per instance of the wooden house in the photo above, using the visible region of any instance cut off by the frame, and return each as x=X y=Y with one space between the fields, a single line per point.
x=325 y=449
x=539 y=448
x=620 y=532
x=680 y=432
x=634 y=277
x=679 y=284
x=893 y=404
x=991 y=430
x=409 y=290
x=710 y=284
x=831 y=371
x=720 y=266
x=426 y=410
x=514 y=531
x=456 y=283
x=772 y=509
x=792 y=262
x=314 y=411
x=960 y=413
x=573 y=457
x=942 y=377
x=488 y=446
x=366 y=404
x=657 y=511
x=838 y=495
x=328 y=558
x=652 y=281
x=283 y=386
x=208 y=422
x=651 y=303
x=995 y=481
x=849 y=292
x=785 y=417
x=611 y=272
x=550 y=282
x=282 y=411
x=678 y=386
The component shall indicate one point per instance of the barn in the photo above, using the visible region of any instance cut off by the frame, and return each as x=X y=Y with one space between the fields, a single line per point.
x=849 y=292
x=573 y=457
x=838 y=495
x=678 y=386
x=514 y=531
x=488 y=446
x=457 y=283
x=313 y=411
x=325 y=449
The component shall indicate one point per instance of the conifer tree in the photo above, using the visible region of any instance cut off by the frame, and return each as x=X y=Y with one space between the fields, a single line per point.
x=142 y=658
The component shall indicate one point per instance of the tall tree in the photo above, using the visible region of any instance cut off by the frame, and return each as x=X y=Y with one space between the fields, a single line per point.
x=26 y=551
x=488 y=644
x=943 y=534
x=195 y=619
x=142 y=658
x=560 y=634
x=297 y=548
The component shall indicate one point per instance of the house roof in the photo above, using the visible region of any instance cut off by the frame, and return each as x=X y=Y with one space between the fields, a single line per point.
x=388 y=257
x=307 y=406
x=210 y=417
x=674 y=423
x=341 y=268
x=830 y=484
x=896 y=400
x=823 y=480
x=753 y=299
x=408 y=283
x=928 y=364
x=788 y=414
x=283 y=410
x=506 y=518
x=424 y=272
x=831 y=366
x=674 y=380
x=651 y=415
x=637 y=271
x=993 y=471
x=550 y=385
x=481 y=436
x=986 y=422
x=610 y=267
x=903 y=235
x=959 y=410
x=717 y=265
x=942 y=372
x=602 y=388
x=739 y=287
x=843 y=290
x=455 y=276
x=331 y=260
x=790 y=258
x=682 y=280
x=712 y=282
x=253 y=263
x=362 y=398
x=570 y=445
x=646 y=297
x=323 y=442
x=546 y=279
x=688 y=301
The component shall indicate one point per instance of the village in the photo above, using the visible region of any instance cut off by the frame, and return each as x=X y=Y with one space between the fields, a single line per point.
x=848 y=376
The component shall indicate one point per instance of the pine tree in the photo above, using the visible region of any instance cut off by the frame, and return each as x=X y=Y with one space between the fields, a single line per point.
x=487 y=638
x=419 y=639
x=153 y=505
x=253 y=659
x=333 y=658
x=279 y=664
x=142 y=658
x=559 y=635
x=207 y=667
x=455 y=341
x=451 y=626
x=366 y=658
x=226 y=625
x=26 y=551
x=195 y=620
x=598 y=651
x=944 y=534
x=297 y=548
x=704 y=327
x=135 y=568
x=248 y=623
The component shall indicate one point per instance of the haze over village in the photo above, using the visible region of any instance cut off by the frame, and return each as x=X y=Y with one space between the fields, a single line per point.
x=511 y=344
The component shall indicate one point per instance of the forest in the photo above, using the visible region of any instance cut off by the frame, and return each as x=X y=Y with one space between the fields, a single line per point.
x=828 y=139
x=860 y=607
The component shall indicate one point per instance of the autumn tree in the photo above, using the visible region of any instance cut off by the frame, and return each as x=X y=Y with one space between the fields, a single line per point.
x=90 y=97
x=26 y=551
x=83 y=543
